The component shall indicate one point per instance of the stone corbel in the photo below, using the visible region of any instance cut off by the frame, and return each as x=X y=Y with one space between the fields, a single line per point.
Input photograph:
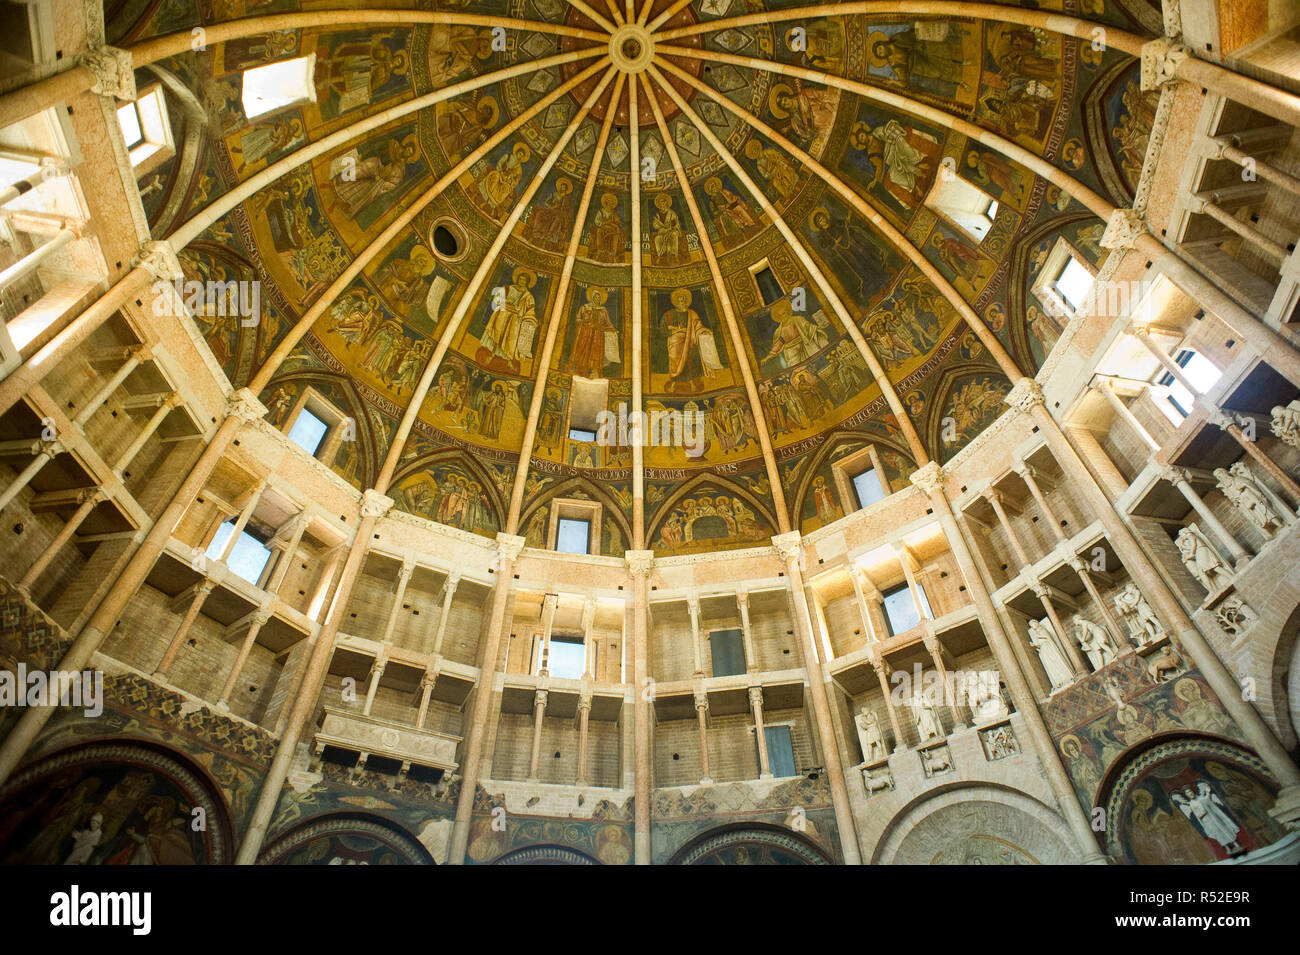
x=374 y=504
x=928 y=478
x=158 y=258
x=788 y=546
x=639 y=562
x=1123 y=230
x=1026 y=393
x=245 y=406
x=1160 y=61
x=113 y=72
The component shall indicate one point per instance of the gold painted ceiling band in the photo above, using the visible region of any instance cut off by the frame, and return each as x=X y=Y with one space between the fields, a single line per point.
x=481 y=275
x=161 y=47
x=1087 y=197
x=557 y=313
x=188 y=232
x=1126 y=42
x=587 y=10
x=382 y=241
x=615 y=12
x=668 y=14
x=733 y=326
x=919 y=453
x=886 y=229
x=638 y=314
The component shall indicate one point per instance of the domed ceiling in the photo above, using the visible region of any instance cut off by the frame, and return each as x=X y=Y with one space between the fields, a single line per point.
x=811 y=389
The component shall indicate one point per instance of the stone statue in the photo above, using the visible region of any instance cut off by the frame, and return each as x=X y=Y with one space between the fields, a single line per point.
x=869 y=735
x=1202 y=559
x=1093 y=641
x=1286 y=423
x=928 y=726
x=1144 y=626
x=986 y=701
x=1042 y=639
x=1248 y=497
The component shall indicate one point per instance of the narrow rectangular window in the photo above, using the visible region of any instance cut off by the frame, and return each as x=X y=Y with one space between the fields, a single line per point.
x=900 y=610
x=780 y=750
x=728 y=647
x=308 y=431
x=573 y=536
x=248 y=557
x=276 y=85
x=867 y=486
x=568 y=657
x=768 y=286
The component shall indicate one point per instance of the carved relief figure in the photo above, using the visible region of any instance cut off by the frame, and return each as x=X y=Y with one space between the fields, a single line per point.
x=1246 y=494
x=1202 y=559
x=1286 y=423
x=1093 y=641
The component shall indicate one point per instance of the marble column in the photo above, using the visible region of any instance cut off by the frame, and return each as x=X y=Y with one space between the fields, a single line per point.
x=640 y=563
x=584 y=715
x=1180 y=479
x=936 y=650
x=1117 y=635
x=255 y=626
x=702 y=716
x=588 y=639
x=376 y=674
x=697 y=653
x=448 y=596
x=426 y=692
x=87 y=500
x=201 y=593
x=790 y=549
x=760 y=734
x=549 y=603
x=539 y=714
x=751 y=657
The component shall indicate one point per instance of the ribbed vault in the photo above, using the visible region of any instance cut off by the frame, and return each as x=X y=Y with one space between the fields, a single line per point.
x=713 y=208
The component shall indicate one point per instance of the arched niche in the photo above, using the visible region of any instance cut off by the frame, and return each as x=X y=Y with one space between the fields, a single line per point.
x=750 y=845
x=545 y=855
x=976 y=825
x=1187 y=800
x=345 y=840
x=114 y=803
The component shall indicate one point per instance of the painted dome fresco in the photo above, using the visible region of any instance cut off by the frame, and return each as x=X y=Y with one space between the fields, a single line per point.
x=735 y=215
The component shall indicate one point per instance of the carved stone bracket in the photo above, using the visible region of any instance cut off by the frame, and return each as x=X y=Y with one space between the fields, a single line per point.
x=928 y=478
x=1123 y=230
x=508 y=548
x=374 y=504
x=243 y=404
x=1160 y=60
x=639 y=562
x=1026 y=393
x=114 y=74
x=159 y=259
x=788 y=546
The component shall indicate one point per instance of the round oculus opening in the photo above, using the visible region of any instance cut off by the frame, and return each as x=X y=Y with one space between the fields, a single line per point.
x=445 y=241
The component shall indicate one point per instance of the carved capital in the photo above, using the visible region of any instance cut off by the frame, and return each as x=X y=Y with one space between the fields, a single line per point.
x=1026 y=393
x=1220 y=419
x=52 y=449
x=788 y=546
x=508 y=548
x=453 y=580
x=374 y=504
x=756 y=697
x=539 y=699
x=639 y=562
x=693 y=607
x=742 y=599
x=1173 y=474
x=260 y=617
x=158 y=258
x=1160 y=60
x=428 y=680
x=701 y=700
x=1123 y=230
x=929 y=478
x=405 y=572
x=243 y=404
x=584 y=703
x=113 y=72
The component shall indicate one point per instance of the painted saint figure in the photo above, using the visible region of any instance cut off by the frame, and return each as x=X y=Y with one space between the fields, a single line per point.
x=596 y=342
x=692 y=352
x=510 y=331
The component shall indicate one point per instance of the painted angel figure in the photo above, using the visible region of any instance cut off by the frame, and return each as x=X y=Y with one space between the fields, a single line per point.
x=1209 y=815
